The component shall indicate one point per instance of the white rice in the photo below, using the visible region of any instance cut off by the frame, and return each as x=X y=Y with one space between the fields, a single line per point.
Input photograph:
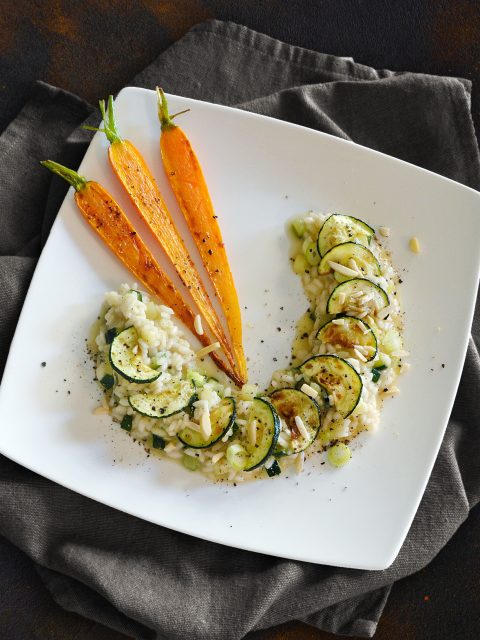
x=162 y=345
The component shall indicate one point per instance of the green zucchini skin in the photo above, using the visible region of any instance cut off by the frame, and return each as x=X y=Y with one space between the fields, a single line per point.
x=334 y=306
x=165 y=404
x=266 y=415
x=338 y=377
x=126 y=363
x=338 y=229
x=349 y=334
x=321 y=399
x=342 y=253
x=222 y=419
x=290 y=403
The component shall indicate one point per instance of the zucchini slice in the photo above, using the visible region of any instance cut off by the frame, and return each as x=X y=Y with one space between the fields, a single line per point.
x=343 y=254
x=346 y=297
x=291 y=403
x=321 y=399
x=268 y=430
x=246 y=455
x=338 y=377
x=127 y=363
x=349 y=332
x=165 y=404
x=222 y=418
x=338 y=229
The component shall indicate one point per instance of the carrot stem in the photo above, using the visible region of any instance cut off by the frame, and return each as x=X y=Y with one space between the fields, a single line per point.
x=166 y=120
x=110 y=128
x=73 y=178
x=109 y=122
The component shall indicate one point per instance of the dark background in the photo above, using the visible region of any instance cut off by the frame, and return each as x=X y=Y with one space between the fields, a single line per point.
x=93 y=48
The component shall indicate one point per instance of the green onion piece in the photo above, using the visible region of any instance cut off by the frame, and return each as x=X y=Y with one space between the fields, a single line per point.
x=237 y=457
x=157 y=361
x=158 y=442
x=197 y=378
x=339 y=454
x=273 y=470
x=312 y=255
x=249 y=391
x=190 y=463
x=298 y=228
x=139 y=295
x=300 y=264
x=126 y=423
x=107 y=381
x=110 y=334
x=376 y=371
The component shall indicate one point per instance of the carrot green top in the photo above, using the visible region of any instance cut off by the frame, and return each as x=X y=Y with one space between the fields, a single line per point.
x=166 y=120
x=73 y=178
x=110 y=127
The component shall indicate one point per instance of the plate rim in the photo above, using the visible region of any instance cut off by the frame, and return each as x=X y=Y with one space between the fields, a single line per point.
x=387 y=559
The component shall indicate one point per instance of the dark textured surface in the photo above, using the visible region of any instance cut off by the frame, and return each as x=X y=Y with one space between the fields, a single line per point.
x=92 y=49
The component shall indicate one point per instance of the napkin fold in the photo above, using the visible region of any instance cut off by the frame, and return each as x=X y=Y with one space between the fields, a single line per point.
x=150 y=582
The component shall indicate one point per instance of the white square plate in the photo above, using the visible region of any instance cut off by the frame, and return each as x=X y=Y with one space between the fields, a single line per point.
x=260 y=172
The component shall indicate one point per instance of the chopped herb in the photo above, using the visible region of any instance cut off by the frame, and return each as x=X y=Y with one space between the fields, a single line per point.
x=126 y=423
x=274 y=469
x=107 y=381
x=158 y=442
x=139 y=295
x=376 y=371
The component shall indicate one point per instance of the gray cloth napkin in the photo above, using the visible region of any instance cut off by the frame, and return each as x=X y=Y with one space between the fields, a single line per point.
x=150 y=582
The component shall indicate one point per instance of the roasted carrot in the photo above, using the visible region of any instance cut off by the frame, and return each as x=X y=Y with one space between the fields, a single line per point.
x=134 y=174
x=186 y=178
x=112 y=225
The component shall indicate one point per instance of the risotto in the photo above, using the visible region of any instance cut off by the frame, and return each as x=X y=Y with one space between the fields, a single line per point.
x=346 y=357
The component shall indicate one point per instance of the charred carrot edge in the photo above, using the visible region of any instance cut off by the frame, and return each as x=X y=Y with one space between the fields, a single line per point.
x=109 y=221
x=139 y=183
x=186 y=178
